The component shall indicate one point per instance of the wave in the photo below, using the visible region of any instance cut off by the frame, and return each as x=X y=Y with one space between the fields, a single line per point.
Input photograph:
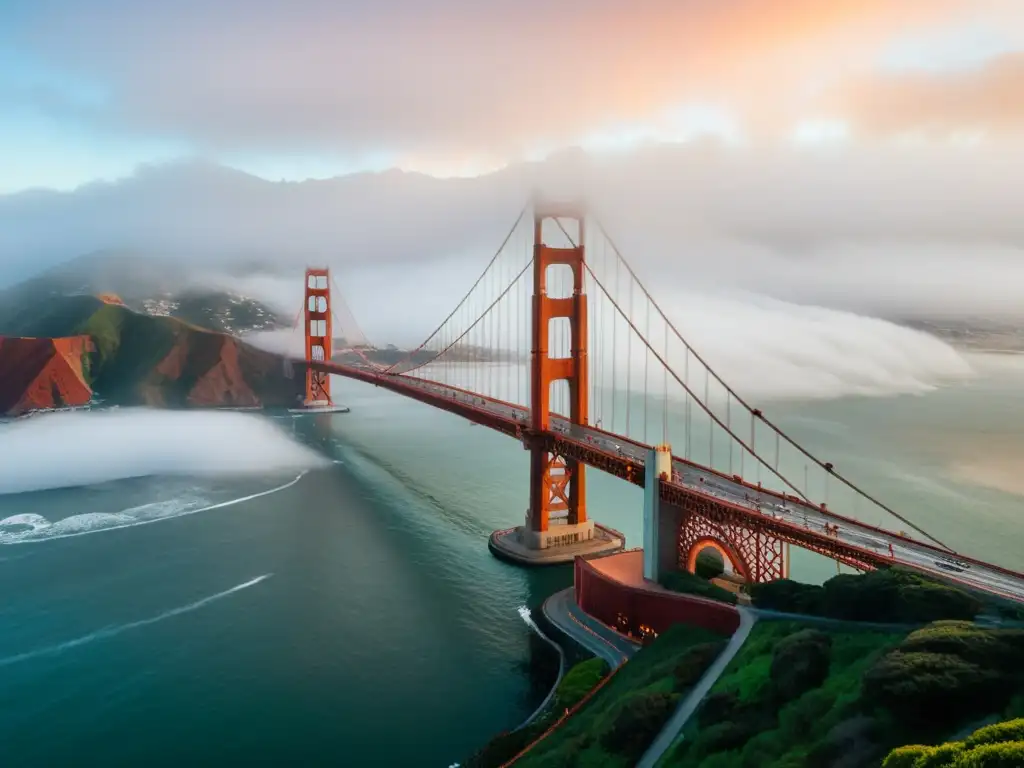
x=108 y=632
x=33 y=528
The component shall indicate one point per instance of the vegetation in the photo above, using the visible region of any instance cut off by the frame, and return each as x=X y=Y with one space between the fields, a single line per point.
x=709 y=564
x=784 y=700
x=797 y=696
x=613 y=729
x=994 y=746
x=692 y=584
x=946 y=675
x=577 y=683
x=889 y=595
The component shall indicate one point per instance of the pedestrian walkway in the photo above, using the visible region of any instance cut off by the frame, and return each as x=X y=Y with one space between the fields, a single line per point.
x=693 y=699
x=562 y=611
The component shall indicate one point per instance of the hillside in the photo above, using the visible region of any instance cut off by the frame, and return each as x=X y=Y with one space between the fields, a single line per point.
x=152 y=286
x=128 y=358
x=43 y=373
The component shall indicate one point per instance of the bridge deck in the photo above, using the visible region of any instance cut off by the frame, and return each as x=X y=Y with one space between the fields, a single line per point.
x=797 y=522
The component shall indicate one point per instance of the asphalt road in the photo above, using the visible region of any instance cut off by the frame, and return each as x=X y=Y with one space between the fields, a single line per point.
x=562 y=611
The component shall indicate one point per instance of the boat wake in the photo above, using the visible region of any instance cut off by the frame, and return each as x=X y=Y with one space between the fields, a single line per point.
x=108 y=632
x=33 y=528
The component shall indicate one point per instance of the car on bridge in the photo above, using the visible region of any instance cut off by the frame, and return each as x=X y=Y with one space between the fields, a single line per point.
x=952 y=564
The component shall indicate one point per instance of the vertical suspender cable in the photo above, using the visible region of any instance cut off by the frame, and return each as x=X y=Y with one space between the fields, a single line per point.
x=728 y=420
x=689 y=413
x=615 y=352
x=664 y=408
x=629 y=356
x=711 y=422
x=647 y=360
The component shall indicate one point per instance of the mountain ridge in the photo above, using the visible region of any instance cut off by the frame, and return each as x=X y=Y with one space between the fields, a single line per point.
x=122 y=357
x=164 y=288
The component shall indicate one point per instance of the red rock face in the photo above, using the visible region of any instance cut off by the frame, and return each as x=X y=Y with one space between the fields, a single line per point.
x=207 y=369
x=42 y=373
x=156 y=362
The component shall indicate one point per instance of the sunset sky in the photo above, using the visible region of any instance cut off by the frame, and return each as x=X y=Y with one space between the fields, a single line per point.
x=295 y=89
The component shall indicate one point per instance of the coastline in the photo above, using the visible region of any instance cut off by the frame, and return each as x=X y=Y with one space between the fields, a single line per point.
x=558 y=679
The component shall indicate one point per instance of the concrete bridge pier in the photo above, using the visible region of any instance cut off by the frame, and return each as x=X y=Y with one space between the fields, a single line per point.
x=562 y=542
x=661 y=521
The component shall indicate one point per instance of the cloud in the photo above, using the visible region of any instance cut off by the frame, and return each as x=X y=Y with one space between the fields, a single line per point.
x=451 y=79
x=770 y=350
x=891 y=231
x=982 y=101
x=99 y=446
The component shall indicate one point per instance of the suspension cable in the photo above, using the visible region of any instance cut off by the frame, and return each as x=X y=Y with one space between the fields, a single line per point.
x=475 y=322
x=472 y=288
x=828 y=468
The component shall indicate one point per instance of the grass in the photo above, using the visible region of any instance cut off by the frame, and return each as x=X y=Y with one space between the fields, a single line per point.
x=756 y=726
x=613 y=728
x=578 y=681
x=128 y=348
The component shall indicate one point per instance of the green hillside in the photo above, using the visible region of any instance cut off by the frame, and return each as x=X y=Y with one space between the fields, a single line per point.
x=138 y=359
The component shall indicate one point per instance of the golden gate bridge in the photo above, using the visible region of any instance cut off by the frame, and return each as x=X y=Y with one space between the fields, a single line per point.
x=559 y=345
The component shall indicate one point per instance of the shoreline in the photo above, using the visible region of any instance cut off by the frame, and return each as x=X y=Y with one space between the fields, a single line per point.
x=558 y=678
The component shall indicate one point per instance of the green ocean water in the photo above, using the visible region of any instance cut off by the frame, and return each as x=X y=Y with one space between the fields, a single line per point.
x=355 y=617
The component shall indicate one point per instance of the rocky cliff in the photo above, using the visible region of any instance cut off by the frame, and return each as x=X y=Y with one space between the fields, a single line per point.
x=84 y=348
x=39 y=374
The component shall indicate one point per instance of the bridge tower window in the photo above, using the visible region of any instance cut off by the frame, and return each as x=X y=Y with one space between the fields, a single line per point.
x=318 y=324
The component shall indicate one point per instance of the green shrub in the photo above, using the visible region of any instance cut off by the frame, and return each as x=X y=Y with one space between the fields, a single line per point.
x=691 y=584
x=940 y=756
x=905 y=757
x=1005 y=755
x=639 y=719
x=709 y=564
x=1000 y=745
x=803 y=715
x=724 y=736
x=1012 y=730
x=717 y=707
x=992 y=647
x=893 y=595
x=788 y=596
x=579 y=681
x=800 y=662
x=503 y=748
x=934 y=689
x=694 y=663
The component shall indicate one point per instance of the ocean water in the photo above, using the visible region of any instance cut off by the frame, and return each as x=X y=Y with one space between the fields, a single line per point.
x=353 y=615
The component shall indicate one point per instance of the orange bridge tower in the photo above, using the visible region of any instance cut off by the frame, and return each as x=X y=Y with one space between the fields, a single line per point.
x=318 y=335
x=558 y=491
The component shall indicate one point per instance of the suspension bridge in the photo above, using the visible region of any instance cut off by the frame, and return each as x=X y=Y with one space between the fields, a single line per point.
x=559 y=345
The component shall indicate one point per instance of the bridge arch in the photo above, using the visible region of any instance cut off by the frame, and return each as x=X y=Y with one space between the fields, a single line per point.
x=754 y=554
x=729 y=555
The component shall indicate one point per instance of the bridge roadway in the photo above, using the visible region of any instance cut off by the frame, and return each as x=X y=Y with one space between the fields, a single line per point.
x=795 y=521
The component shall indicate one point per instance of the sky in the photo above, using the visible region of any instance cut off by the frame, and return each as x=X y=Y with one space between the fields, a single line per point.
x=861 y=156
x=296 y=89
